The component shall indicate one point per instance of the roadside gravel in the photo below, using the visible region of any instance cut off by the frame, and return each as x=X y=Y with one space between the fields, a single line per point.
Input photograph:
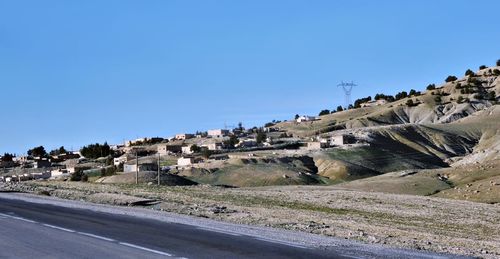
x=383 y=220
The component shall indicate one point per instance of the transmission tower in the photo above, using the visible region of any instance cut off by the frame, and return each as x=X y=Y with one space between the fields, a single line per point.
x=347 y=87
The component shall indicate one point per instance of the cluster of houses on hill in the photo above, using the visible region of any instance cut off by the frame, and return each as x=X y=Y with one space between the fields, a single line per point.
x=185 y=149
x=22 y=168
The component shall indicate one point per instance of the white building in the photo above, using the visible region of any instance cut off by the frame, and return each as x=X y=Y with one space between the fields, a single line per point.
x=317 y=145
x=164 y=149
x=305 y=118
x=120 y=160
x=187 y=149
x=184 y=136
x=185 y=161
x=218 y=133
x=338 y=140
x=59 y=173
x=213 y=146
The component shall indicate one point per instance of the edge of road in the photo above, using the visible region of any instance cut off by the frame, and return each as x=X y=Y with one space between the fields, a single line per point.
x=292 y=238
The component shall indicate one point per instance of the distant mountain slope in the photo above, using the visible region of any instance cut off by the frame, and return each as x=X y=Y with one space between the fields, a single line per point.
x=445 y=104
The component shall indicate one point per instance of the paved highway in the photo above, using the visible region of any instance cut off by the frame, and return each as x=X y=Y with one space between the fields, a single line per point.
x=37 y=230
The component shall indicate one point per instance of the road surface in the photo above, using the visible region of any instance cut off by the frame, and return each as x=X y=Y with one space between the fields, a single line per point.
x=37 y=230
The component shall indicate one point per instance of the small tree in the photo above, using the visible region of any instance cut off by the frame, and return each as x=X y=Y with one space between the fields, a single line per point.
x=410 y=103
x=261 y=137
x=58 y=151
x=437 y=99
x=97 y=150
x=401 y=95
x=297 y=116
x=431 y=87
x=491 y=96
x=339 y=108
x=231 y=142
x=324 y=112
x=7 y=157
x=413 y=92
x=498 y=62
x=451 y=79
x=195 y=148
x=483 y=67
x=496 y=72
x=460 y=99
x=37 y=152
x=206 y=153
x=469 y=73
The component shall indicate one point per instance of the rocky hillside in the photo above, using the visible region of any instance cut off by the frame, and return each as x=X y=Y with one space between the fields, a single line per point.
x=446 y=103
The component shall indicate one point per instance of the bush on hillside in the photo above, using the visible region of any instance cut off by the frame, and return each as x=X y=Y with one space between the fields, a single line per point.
x=491 y=96
x=339 y=108
x=410 y=103
x=413 y=92
x=324 y=112
x=97 y=150
x=451 y=79
x=498 y=62
x=437 y=99
x=496 y=72
x=483 y=67
x=7 y=157
x=431 y=87
x=37 y=152
x=401 y=95
x=358 y=102
x=469 y=73
x=388 y=98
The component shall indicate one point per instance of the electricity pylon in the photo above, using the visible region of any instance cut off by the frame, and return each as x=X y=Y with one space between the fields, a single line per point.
x=347 y=87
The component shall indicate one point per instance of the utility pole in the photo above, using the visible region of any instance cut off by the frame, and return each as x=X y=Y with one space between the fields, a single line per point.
x=136 y=167
x=159 y=169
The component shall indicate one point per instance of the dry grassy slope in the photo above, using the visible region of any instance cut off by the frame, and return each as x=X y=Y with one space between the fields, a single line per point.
x=429 y=135
x=259 y=172
x=472 y=176
x=146 y=177
x=399 y=113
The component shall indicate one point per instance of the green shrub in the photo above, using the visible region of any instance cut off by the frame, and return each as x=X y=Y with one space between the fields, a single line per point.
x=469 y=73
x=437 y=99
x=431 y=87
x=324 y=112
x=483 y=67
x=491 y=96
x=410 y=103
x=450 y=79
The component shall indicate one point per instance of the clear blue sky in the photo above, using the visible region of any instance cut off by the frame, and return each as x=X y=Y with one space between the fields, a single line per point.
x=80 y=72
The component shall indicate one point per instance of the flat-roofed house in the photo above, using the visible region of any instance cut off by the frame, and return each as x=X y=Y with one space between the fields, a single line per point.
x=338 y=140
x=185 y=161
x=184 y=136
x=164 y=149
x=218 y=133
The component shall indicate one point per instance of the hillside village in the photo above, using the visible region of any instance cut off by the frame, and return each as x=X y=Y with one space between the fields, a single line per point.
x=324 y=149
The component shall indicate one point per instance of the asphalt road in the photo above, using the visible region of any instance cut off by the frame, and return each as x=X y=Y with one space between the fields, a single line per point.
x=34 y=230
